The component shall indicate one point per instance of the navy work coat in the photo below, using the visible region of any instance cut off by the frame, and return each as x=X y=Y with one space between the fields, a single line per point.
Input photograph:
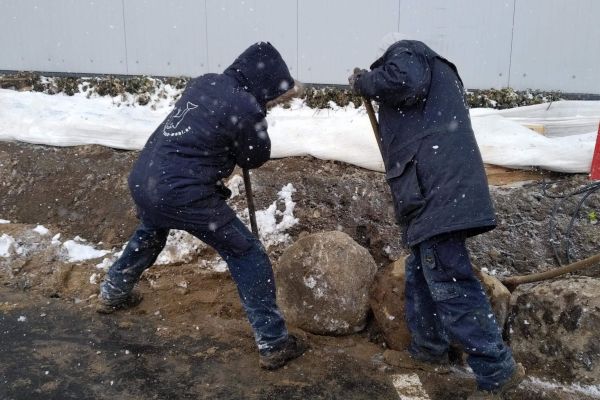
x=218 y=122
x=433 y=165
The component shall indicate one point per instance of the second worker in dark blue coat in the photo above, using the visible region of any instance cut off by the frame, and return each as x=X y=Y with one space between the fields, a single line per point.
x=441 y=197
x=176 y=183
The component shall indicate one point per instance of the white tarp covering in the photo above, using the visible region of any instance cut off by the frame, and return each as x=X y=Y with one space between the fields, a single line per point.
x=342 y=134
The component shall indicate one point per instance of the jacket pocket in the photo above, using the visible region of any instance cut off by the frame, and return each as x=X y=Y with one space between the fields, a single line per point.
x=406 y=190
x=442 y=291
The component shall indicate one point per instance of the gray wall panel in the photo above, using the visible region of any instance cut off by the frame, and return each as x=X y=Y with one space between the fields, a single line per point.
x=64 y=35
x=558 y=46
x=473 y=34
x=233 y=25
x=166 y=38
x=336 y=35
x=14 y=39
x=540 y=44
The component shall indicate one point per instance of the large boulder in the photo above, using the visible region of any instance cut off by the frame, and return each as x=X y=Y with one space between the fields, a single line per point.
x=387 y=302
x=323 y=283
x=555 y=328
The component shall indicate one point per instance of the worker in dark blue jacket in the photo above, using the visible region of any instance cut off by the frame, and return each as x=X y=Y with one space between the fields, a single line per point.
x=441 y=197
x=176 y=183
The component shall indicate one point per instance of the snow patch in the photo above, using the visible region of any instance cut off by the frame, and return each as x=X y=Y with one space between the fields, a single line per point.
x=81 y=252
x=55 y=241
x=409 y=387
x=94 y=278
x=234 y=184
x=310 y=282
x=7 y=243
x=218 y=266
x=105 y=264
x=588 y=390
x=4 y=221
x=181 y=247
x=343 y=134
x=42 y=230
x=270 y=230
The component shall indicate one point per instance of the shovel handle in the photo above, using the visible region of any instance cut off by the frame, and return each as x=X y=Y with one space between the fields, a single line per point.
x=250 y=200
x=374 y=123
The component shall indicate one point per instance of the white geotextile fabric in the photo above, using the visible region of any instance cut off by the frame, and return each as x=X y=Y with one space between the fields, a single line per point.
x=342 y=134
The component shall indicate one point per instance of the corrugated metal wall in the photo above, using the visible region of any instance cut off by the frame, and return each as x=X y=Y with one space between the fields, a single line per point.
x=541 y=44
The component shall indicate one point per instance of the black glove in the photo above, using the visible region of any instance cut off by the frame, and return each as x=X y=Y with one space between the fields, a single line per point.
x=354 y=77
x=222 y=190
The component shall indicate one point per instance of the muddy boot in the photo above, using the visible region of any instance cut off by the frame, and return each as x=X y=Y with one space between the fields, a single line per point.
x=403 y=359
x=109 y=306
x=514 y=381
x=277 y=358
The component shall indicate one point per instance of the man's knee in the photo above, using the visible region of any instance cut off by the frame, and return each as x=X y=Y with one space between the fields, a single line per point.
x=149 y=238
x=233 y=240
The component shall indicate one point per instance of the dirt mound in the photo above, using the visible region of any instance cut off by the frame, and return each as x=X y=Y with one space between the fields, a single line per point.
x=83 y=191
x=190 y=333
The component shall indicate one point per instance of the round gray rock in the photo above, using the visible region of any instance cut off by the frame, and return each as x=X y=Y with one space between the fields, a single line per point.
x=323 y=283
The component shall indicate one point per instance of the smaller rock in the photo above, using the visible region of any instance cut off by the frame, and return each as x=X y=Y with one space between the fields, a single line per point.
x=554 y=329
x=387 y=302
x=498 y=295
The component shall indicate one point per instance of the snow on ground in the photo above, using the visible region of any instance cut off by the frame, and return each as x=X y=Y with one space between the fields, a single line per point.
x=272 y=224
x=77 y=251
x=271 y=231
x=181 y=247
x=575 y=389
x=409 y=387
x=234 y=184
x=42 y=230
x=7 y=244
x=38 y=240
x=343 y=134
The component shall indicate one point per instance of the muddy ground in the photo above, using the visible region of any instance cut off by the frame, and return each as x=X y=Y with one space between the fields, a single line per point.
x=194 y=341
x=83 y=191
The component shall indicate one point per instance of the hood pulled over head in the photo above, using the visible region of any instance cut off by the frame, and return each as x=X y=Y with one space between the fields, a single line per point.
x=262 y=72
x=386 y=41
x=386 y=44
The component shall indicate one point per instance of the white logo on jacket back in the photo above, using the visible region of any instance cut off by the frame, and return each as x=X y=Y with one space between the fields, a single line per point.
x=174 y=119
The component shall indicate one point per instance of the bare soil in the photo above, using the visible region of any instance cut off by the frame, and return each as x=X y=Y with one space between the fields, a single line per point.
x=194 y=341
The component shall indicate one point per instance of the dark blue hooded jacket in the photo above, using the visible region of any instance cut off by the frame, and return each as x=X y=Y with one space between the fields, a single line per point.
x=433 y=164
x=218 y=122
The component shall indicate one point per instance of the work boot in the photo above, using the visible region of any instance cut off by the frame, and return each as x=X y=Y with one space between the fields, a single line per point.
x=277 y=358
x=109 y=306
x=403 y=359
x=514 y=381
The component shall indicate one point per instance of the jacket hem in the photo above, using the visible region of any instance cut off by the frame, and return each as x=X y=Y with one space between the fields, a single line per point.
x=419 y=231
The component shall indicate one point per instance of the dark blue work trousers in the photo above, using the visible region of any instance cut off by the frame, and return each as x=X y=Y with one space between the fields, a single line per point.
x=248 y=264
x=446 y=302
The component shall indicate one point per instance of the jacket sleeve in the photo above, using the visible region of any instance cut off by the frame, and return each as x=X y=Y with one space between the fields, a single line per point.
x=402 y=80
x=252 y=146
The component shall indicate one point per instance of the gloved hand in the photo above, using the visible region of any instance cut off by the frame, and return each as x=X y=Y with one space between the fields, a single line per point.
x=354 y=77
x=222 y=190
